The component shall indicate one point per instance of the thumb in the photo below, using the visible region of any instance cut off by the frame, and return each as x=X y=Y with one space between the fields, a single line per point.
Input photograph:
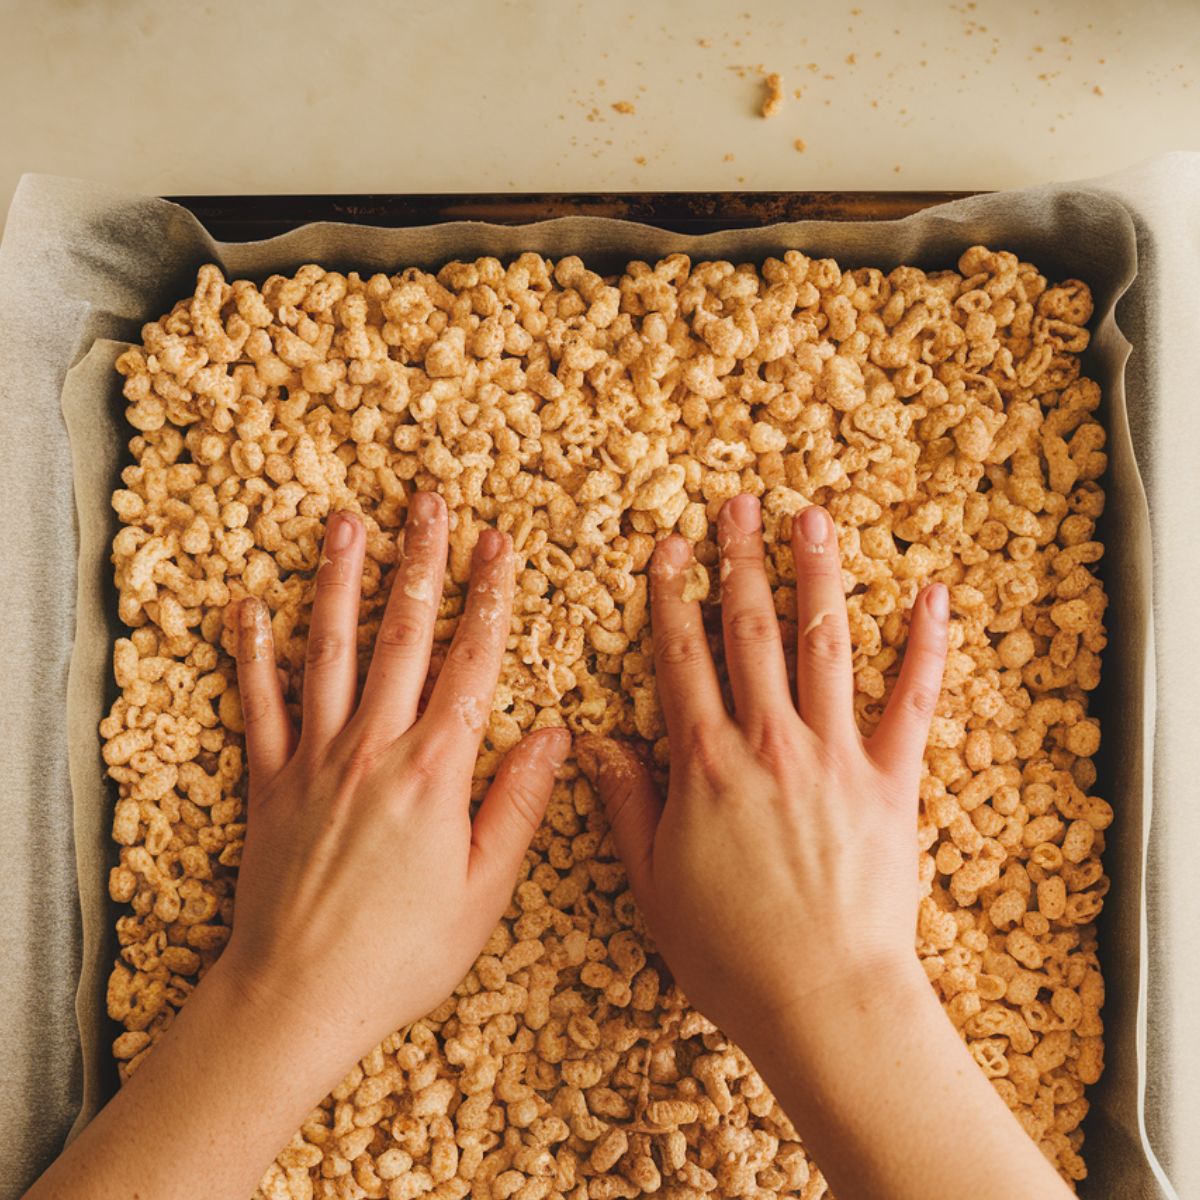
x=631 y=801
x=513 y=807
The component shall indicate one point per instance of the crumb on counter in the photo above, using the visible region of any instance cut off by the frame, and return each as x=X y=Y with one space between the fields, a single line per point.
x=773 y=101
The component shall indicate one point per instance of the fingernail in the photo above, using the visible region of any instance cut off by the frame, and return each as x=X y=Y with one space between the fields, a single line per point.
x=254 y=630
x=587 y=755
x=939 y=602
x=814 y=524
x=489 y=545
x=555 y=745
x=744 y=512
x=340 y=532
x=423 y=506
x=248 y=613
x=672 y=553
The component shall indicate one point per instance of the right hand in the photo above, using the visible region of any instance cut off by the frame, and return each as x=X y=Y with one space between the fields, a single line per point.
x=782 y=868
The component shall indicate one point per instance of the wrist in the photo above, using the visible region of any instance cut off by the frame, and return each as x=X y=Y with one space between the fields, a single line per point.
x=853 y=1003
x=271 y=1021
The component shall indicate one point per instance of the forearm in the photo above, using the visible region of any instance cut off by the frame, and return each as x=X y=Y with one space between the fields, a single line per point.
x=890 y=1103
x=212 y=1105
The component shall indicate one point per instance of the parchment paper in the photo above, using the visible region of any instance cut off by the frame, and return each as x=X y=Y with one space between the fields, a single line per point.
x=101 y=263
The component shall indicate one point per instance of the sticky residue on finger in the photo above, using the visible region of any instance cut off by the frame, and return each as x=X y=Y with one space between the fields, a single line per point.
x=254 y=631
x=491 y=603
x=419 y=588
x=816 y=621
x=468 y=709
x=695 y=583
x=332 y=570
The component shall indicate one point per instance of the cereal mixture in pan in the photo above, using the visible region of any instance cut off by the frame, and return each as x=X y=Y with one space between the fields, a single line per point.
x=942 y=419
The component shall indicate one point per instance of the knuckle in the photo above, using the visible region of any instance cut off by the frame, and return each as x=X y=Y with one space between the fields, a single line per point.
x=402 y=632
x=819 y=568
x=827 y=643
x=325 y=648
x=618 y=796
x=255 y=707
x=743 y=552
x=708 y=752
x=680 y=649
x=525 y=802
x=752 y=627
x=469 y=652
x=772 y=740
x=424 y=762
x=920 y=699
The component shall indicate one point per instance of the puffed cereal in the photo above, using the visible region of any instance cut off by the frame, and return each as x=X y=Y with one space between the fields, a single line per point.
x=943 y=421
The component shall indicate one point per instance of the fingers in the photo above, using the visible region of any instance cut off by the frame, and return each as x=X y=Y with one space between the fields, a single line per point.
x=753 y=649
x=331 y=670
x=631 y=802
x=898 y=742
x=687 y=680
x=400 y=662
x=268 y=730
x=462 y=697
x=824 y=680
x=513 y=806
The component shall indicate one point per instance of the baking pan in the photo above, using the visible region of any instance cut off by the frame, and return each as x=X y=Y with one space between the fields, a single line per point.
x=121 y=261
x=249 y=218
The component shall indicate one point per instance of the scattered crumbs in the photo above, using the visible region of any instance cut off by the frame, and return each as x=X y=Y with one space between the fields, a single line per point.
x=851 y=59
x=828 y=76
x=1097 y=90
x=1039 y=49
x=705 y=42
x=800 y=145
x=1101 y=61
x=1066 y=41
x=728 y=158
x=797 y=93
x=741 y=179
x=856 y=12
x=896 y=168
x=640 y=160
x=874 y=103
x=773 y=101
x=624 y=107
x=813 y=66
x=923 y=63
x=600 y=83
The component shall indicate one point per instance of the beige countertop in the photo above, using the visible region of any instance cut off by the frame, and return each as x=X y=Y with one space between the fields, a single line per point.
x=502 y=95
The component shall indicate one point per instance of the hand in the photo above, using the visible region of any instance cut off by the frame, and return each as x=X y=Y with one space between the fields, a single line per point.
x=783 y=866
x=365 y=892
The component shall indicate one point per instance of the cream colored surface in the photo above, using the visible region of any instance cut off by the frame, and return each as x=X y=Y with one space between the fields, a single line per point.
x=496 y=95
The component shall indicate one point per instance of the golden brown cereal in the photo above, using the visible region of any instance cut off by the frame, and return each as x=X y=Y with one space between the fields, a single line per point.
x=943 y=421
